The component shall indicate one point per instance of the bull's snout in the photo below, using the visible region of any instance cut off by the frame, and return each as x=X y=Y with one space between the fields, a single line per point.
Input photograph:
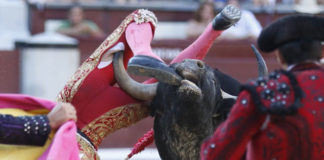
x=190 y=69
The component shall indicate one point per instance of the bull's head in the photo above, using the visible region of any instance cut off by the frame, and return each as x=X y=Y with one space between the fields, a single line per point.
x=148 y=91
x=185 y=114
x=196 y=77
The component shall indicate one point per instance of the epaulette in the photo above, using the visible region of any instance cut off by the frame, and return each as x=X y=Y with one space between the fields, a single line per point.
x=278 y=94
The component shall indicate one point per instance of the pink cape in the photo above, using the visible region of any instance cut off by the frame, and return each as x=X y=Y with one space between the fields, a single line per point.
x=64 y=145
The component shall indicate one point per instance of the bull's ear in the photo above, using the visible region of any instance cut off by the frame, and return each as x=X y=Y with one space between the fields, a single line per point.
x=227 y=96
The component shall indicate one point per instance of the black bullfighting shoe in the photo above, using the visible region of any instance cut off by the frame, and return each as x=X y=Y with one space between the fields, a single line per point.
x=151 y=67
x=226 y=18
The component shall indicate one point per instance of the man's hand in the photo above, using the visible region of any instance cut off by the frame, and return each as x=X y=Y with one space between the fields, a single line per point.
x=61 y=113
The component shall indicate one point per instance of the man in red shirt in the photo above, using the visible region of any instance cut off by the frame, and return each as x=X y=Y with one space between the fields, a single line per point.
x=281 y=116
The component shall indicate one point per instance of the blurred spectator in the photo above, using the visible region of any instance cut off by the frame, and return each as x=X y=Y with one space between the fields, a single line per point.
x=77 y=26
x=68 y=1
x=204 y=14
x=288 y=2
x=248 y=27
x=219 y=4
x=264 y=3
x=320 y=2
x=308 y=6
x=126 y=1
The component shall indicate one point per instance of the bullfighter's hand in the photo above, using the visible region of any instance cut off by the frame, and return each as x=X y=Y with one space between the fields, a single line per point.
x=61 y=113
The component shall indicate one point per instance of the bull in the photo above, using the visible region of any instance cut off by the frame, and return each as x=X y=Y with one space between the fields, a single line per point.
x=187 y=113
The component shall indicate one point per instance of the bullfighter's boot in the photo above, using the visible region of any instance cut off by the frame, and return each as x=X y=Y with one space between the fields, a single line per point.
x=229 y=16
x=148 y=66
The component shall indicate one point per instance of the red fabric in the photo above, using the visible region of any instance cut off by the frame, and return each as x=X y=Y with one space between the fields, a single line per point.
x=298 y=136
x=98 y=93
x=146 y=140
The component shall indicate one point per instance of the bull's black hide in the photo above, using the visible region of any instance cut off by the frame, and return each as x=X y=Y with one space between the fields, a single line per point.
x=186 y=114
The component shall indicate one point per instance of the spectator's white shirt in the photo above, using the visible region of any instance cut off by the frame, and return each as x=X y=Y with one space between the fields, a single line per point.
x=247 y=26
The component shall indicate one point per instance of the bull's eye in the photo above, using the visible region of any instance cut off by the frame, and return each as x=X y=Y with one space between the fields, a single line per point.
x=200 y=64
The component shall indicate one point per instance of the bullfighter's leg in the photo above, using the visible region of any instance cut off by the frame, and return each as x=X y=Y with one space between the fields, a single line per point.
x=199 y=48
x=139 y=37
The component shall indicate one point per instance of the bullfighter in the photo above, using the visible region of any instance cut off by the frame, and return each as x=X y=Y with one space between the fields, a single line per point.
x=279 y=117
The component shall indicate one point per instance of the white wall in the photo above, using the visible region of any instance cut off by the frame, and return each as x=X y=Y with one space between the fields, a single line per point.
x=45 y=71
x=13 y=22
x=121 y=153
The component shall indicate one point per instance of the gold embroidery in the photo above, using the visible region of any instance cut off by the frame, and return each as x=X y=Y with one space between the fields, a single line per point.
x=113 y=120
x=72 y=86
x=87 y=151
x=145 y=16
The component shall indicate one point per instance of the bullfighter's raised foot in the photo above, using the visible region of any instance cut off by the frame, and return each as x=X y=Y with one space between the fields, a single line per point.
x=226 y=18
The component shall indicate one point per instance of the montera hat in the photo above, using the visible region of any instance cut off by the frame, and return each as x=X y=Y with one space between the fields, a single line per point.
x=291 y=28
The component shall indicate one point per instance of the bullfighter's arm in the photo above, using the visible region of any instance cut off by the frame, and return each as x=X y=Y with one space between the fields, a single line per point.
x=24 y=130
x=232 y=136
x=228 y=83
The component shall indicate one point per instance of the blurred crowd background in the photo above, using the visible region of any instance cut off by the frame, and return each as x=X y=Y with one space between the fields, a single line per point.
x=43 y=42
x=254 y=2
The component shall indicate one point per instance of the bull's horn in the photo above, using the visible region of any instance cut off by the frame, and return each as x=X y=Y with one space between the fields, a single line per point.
x=135 y=89
x=262 y=66
x=227 y=96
